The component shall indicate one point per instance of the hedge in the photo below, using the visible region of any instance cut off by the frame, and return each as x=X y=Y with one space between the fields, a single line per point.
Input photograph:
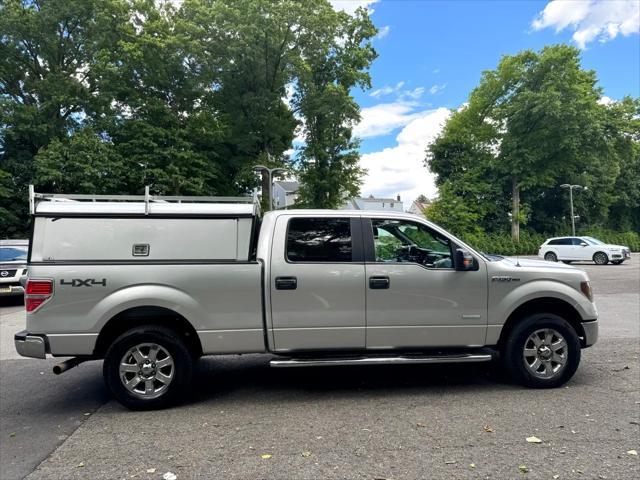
x=501 y=243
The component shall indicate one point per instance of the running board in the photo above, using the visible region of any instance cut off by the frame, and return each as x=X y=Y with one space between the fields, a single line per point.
x=398 y=360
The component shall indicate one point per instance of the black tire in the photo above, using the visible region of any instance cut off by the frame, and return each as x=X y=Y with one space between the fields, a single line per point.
x=168 y=342
x=517 y=340
x=600 y=258
x=568 y=262
x=617 y=262
x=550 y=257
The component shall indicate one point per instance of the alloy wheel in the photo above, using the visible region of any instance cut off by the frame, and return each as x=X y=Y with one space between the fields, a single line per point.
x=545 y=353
x=146 y=370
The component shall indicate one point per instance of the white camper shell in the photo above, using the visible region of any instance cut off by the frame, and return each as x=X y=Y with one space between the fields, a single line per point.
x=134 y=228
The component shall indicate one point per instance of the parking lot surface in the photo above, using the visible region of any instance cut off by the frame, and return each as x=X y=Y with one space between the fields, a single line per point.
x=246 y=420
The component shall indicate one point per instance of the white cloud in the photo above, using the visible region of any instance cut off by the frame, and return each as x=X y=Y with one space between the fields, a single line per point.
x=591 y=19
x=604 y=100
x=383 y=32
x=400 y=170
x=386 y=90
x=437 y=88
x=350 y=6
x=415 y=94
x=384 y=118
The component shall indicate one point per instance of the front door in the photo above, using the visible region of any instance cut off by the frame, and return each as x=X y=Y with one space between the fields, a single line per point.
x=317 y=284
x=415 y=297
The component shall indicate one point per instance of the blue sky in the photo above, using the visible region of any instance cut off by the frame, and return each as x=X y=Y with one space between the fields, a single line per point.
x=432 y=53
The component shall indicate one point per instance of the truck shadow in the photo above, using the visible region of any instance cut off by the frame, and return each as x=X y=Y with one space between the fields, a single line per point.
x=251 y=375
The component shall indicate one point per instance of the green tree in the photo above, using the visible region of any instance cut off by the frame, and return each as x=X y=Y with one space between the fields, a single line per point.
x=336 y=54
x=55 y=58
x=533 y=123
x=83 y=163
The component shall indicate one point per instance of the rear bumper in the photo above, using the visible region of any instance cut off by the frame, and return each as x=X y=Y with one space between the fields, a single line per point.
x=590 y=332
x=33 y=346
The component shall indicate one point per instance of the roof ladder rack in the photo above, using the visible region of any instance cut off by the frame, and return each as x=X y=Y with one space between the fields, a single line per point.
x=147 y=198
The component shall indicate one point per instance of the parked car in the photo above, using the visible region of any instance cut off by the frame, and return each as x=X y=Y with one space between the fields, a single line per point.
x=150 y=284
x=584 y=249
x=13 y=266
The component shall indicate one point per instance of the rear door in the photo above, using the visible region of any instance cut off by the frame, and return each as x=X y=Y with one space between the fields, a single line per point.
x=317 y=283
x=415 y=297
x=564 y=248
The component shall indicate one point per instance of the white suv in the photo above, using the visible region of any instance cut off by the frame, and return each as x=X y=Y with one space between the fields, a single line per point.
x=569 y=249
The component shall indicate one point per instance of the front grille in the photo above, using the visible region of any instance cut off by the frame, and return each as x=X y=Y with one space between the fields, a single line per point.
x=7 y=273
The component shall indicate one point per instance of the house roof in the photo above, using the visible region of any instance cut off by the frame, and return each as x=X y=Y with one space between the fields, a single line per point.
x=291 y=186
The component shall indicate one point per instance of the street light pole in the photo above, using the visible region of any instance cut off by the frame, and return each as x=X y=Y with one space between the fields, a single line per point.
x=270 y=172
x=573 y=217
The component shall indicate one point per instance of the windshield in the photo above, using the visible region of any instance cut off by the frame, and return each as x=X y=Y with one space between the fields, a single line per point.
x=593 y=241
x=9 y=254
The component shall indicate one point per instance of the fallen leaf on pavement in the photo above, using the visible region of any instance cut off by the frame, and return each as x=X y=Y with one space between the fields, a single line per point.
x=87 y=414
x=12 y=434
x=488 y=429
x=266 y=456
x=523 y=468
x=472 y=465
x=169 y=476
x=533 y=440
x=449 y=462
x=632 y=452
x=151 y=470
x=306 y=454
x=80 y=465
x=420 y=424
x=556 y=477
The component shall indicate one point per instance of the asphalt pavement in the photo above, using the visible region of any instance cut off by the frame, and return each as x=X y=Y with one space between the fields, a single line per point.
x=246 y=420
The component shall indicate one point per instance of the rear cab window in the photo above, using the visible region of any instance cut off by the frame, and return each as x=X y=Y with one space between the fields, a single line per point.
x=327 y=240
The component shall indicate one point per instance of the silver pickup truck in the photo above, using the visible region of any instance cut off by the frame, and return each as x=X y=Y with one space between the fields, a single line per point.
x=150 y=284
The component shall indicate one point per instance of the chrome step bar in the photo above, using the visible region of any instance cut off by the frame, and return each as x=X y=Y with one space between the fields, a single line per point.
x=380 y=360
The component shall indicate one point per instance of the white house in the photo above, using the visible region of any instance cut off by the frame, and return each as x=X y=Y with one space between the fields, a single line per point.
x=419 y=206
x=285 y=193
x=373 y=203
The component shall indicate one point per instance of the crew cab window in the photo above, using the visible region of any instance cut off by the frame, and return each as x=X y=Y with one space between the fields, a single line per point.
x=319 y=240
x=400 y=241
x=560 y=241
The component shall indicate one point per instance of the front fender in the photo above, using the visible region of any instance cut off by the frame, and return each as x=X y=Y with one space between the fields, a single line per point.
x=536 y=289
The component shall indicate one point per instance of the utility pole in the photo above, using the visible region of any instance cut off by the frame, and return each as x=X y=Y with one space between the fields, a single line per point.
x=270 y=172
x=573 y=217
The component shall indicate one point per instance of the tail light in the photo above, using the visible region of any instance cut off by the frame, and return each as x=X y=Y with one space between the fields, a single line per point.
x=37 y=292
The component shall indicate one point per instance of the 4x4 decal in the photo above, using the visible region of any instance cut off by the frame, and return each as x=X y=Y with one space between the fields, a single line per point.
x=88 y=282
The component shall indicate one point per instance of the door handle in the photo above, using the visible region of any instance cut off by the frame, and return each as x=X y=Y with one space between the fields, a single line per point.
x=286 y=283
x=379 y=283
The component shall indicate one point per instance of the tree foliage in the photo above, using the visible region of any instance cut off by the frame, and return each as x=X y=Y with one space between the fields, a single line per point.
x=532 y=124
x=107 y=96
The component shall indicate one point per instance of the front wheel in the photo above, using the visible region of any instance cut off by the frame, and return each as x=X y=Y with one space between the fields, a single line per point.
x=148 y=367
x=542 y=351
x=550 y=257
x=600 y=258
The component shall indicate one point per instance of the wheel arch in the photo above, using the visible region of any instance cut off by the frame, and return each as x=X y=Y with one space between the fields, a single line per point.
x=147 y=315
x=553 y=305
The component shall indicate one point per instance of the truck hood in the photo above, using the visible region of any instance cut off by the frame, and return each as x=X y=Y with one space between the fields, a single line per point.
x=528 y=263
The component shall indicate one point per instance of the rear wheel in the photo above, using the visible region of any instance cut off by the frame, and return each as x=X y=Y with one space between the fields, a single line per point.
x=148 y=367
x=600 y=258
x=550 y=257
x=542 y=351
